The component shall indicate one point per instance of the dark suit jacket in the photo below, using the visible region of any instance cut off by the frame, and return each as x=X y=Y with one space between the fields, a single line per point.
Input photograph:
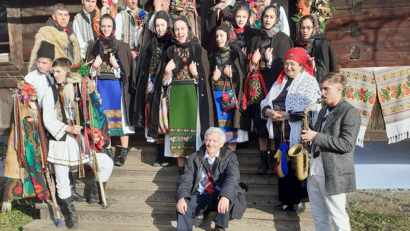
x=337 y=142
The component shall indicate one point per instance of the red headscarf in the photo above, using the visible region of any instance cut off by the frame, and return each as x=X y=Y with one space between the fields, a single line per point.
x=299 y=55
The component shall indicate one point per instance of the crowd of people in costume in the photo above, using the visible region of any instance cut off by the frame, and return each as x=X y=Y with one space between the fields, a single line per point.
x=195 y=99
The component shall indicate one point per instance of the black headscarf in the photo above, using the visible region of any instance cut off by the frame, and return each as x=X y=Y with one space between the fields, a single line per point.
x=165 y=39
x=270 y=32
x=230 y=41
x=182 y=53
x=191 y=39
x=109 y=42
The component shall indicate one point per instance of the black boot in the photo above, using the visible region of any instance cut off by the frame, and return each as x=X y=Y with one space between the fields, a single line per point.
x=272 y=163
x=73 y=182
x=181 y=171
x=72 y=220
x=95 y=194
x=123 y=156
x=110 y=154
x=297 y=209
x=262 y=168
x=160 y=155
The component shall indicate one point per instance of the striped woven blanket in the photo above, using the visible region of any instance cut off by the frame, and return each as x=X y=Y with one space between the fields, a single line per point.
x=392 y=87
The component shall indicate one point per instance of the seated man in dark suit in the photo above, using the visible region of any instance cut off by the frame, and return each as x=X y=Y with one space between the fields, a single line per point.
x=210 y=182
x=331 y=172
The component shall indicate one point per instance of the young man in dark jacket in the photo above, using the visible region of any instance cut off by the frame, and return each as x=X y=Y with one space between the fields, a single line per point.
x=200 y=191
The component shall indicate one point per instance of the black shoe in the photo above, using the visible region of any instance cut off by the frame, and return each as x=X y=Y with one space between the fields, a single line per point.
x=72 y=220
x=219 y=228
x=73 y=182
x=109 y=153
x=297 y=209
x=95 y=194
x=282 y=207
x=123 y=156
x=181 y=171
x=169 y=161
x=263 y=167
x=272 y=163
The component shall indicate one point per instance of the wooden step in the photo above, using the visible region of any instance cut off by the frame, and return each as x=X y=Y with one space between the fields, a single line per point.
x=115 y=226
x=147 y=154
x=159 y=213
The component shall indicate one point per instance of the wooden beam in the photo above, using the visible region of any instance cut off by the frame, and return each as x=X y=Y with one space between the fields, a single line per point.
x=4 y=43
x=15 y=35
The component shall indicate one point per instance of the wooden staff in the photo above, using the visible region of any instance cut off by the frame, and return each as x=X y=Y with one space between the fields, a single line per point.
x=44 y=155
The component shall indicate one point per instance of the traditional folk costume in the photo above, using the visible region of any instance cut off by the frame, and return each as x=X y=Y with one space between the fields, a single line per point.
x=292 y=96
x=319 y=47
x=66 y=150
x=25 y=160
x=86 y=29
x=65 y=41
x=244 y=34
x=232 y=122
x=130 y=27
x=281 y=43
x=257 y=15
x=214 y=19
x=148 y=66
x=189 y=97
x=187 y=8
x=113 y=84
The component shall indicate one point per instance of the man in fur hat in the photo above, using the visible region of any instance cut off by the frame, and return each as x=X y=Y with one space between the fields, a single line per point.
x=40 y=78
x=129 y=28
x=85 y=25
x=55 y=31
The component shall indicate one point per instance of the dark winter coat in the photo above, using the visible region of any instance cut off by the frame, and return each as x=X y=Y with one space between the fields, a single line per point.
x=127 y=70
x=240 y=69
x=227 y=172
x=205 y=106
x=138 y=98
x=325 y=60
x=281 y=43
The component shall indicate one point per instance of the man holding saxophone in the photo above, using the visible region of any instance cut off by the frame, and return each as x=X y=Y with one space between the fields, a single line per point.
x=333 y=140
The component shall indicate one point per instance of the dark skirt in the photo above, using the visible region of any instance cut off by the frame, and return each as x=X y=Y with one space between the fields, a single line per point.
x=291 y=189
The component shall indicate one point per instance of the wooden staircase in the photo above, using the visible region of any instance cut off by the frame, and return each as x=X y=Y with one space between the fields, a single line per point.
x=145 y=198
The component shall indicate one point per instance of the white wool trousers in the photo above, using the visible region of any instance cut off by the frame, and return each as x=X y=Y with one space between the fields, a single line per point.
x=63 y=181
x=325 y=207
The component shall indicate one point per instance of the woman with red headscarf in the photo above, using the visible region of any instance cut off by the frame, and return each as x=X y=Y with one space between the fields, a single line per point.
x=295 y=89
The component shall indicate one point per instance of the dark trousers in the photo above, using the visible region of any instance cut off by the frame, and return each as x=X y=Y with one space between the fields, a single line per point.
x=201 y=204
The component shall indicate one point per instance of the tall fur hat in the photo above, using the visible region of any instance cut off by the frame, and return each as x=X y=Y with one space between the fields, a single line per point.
x=46 y=50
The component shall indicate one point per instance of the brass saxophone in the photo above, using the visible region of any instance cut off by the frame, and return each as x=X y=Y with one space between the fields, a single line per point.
x=300 y=151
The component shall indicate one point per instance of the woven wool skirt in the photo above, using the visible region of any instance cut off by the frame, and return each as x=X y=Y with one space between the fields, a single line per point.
x=113 y=105
x=225 y=122
x=183 y=107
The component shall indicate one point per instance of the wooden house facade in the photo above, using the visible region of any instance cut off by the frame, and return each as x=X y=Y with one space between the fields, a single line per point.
x=365 y=33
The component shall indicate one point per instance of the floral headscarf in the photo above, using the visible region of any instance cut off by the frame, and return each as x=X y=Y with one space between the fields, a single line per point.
x=270 y=32
x=307 y=43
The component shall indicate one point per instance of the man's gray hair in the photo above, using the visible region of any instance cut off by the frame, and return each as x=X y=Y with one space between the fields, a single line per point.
x=213 y=130
x=59 y=6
